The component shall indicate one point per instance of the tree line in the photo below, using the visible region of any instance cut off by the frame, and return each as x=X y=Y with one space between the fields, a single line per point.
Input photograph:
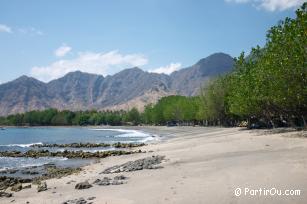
x=53 y=117
x=267 y=88
x=172 y=108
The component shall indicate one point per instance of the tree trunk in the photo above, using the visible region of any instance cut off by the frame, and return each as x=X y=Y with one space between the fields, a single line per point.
x=304 y=122
x=272 y=123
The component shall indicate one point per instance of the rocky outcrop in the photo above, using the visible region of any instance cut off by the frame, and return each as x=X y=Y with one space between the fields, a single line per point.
x=140 y=164
x=5 y=194
x=27 y=186
x=42 y=186
x=55 y=172
x=67 y=154
x=90 y=145
x=83 y=185
x=80 y=201
x=103 y=182
x=117 y=180
x=6 y=182
x=17 y=187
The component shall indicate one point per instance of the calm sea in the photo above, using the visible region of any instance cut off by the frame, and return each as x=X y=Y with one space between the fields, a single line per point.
x=21 y=139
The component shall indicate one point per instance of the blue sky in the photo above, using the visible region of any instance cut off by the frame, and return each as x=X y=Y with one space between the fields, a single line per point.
x=47 y=39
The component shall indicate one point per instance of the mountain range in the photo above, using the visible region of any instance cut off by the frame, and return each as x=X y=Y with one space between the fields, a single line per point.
x=128 y=88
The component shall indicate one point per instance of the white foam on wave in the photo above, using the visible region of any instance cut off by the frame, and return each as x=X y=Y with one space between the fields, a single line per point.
x=127 y=133
x=116 y=130
x=130 y=134
x=134 y=133
x=22 y=145
x=147 y=139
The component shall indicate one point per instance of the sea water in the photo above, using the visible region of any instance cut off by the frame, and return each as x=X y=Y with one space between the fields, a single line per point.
x=21 y=139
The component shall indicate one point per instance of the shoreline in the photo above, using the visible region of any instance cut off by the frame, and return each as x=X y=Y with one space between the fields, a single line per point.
x=78 y=153
x=202 y=165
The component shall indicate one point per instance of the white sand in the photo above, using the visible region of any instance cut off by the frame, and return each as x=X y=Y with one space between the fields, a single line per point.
x=204 y=165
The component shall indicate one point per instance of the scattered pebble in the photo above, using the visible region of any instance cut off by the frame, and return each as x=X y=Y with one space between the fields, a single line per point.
x=117 y=180
x=78 y=201
x=91 y=198
x=42 y=187
x=27 y=186
x=121 y=177
x=83 y=185
x=4 y=194
x=17 y=187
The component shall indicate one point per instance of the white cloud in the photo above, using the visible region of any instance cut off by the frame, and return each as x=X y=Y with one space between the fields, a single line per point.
x=30 y=31
x=97 y=63
x=21 y=30
x=62 y=51
x=5 y=28
x=167 y=69
x=272 y=5
x=35 y=31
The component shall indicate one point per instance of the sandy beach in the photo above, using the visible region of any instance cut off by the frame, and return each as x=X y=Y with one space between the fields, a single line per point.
x=202 y=165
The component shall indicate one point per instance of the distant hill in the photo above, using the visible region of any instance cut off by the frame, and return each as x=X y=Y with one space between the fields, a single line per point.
x=129 y=88
x=187 y=81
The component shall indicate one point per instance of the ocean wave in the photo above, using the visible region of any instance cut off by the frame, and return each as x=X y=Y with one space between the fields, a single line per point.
x=21 y=145
x=116 y=130
x=147 y=139
x=126 y=133
x=134 y=134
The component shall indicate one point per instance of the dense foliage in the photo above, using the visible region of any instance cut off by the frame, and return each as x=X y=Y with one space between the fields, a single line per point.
x=172 y=108
x=52 y=117
x=268 y=88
